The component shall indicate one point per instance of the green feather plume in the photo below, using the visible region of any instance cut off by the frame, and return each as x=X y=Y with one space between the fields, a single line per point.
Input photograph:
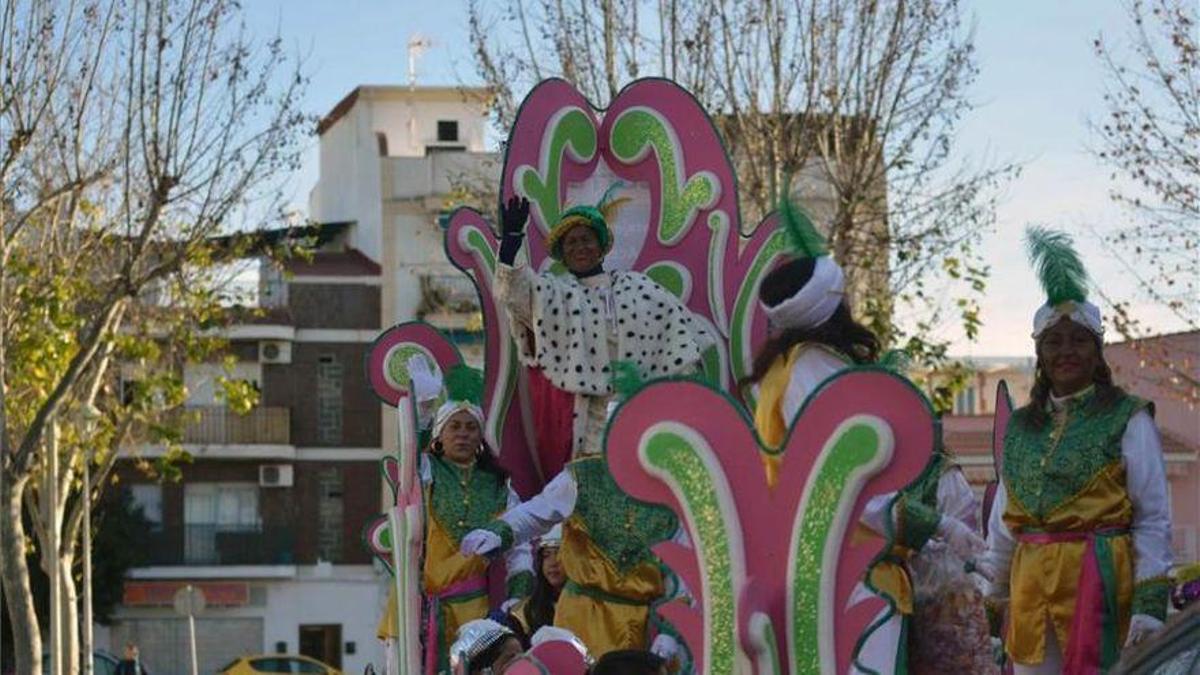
x=803 y=236
x=1057 y=264
x=464 y=383
x=626 y=379
x=896 y=360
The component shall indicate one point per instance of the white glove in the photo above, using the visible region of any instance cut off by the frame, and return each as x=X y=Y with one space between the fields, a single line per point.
x=961 y=539
x=985 y=569
x=665 y=646
x=479 y=542
x=425 y=383
x=1141 y=626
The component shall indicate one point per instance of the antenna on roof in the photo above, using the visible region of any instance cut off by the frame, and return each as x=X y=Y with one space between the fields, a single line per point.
x=417 y=44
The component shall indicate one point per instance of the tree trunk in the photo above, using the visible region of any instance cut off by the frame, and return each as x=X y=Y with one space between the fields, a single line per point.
x=70 y=617
x=27 y=640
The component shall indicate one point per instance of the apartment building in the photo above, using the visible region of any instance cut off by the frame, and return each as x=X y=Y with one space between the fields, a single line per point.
x=266 y=520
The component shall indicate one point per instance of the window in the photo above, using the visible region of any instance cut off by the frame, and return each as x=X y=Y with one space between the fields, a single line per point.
x=447 y=131
x=329 y=514
x=201 y=380
x=329 y=400
x=148 y=497
x=964 y=402
x=210 y=509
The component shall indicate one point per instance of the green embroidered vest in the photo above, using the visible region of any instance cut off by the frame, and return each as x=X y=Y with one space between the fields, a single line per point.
x=463 y=499
x=1043 y=468
x=918 y=503
x=620 y=526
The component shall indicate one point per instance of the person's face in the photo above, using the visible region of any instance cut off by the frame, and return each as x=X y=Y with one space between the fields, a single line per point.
x=581 y=249
x=131 y=652
x=461 y=438
x=508 y=653
x=1069 y=356
x=552 y=568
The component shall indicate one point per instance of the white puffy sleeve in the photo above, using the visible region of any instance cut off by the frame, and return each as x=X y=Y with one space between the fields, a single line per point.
x=424 y=471
x=519 y=558
x=535 y=517
x=1000 y=543
x=1146 y=482
x=956 y=499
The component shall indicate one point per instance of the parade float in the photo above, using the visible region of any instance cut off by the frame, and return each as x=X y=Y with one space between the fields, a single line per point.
x=771 y=569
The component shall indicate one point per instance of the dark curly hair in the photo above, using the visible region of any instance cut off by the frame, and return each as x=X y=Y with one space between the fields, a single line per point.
x=841 y=332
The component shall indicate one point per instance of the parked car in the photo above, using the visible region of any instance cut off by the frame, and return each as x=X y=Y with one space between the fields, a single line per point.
x=278 y=663
x=103 y=663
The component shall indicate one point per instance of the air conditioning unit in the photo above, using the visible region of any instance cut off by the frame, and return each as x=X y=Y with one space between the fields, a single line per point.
x=275 y=475
x=274 y=351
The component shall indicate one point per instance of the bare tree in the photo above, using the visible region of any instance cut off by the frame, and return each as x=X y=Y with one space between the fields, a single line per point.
x=858 y=99
x=132 y=132
x=1150 y=137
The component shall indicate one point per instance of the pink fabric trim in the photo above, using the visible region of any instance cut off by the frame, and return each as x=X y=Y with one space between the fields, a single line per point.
x=1087 y=628
x=434 y=603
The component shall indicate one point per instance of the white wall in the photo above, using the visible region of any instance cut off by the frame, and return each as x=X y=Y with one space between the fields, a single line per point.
x=352 y=599
x=411 y=123
x=351 y=187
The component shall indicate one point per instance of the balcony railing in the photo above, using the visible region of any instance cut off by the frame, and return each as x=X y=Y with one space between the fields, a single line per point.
x=221 y=545
x=218 y=425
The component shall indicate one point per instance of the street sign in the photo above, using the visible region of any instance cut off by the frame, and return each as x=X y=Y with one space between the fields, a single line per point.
x=189 y=601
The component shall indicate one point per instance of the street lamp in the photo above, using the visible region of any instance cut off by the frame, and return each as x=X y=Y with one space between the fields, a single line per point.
x=91 y=420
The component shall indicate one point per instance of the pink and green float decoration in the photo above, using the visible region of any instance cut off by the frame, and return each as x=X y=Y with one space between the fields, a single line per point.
x=770 y=570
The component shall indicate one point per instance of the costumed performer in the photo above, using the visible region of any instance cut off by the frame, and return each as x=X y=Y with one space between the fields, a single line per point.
x=1079 y=537
x=537 y=609
x=464 y=488
x=813 y=336
x=612 y=578
x=575 y=325
x=483 y=647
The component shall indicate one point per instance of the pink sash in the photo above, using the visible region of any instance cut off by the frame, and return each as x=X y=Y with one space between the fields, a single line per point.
x=1092 y=642
x=433 y=604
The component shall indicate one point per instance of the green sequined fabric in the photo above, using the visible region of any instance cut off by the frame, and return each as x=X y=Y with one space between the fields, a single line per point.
x=918 y=505
x=1150 y=598
x=620 y=526
x=463 y=499
x=1044 y=468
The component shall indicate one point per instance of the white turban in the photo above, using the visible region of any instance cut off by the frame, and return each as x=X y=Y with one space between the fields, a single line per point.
x=447 y=410
x=813 y=304
x=1083 y=313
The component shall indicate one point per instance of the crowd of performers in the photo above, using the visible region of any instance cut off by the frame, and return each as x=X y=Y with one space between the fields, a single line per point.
x=1076 y=559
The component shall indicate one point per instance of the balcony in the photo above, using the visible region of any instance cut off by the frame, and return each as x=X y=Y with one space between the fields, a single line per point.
x=221 y=545
x=217 y=425
x=436 y=174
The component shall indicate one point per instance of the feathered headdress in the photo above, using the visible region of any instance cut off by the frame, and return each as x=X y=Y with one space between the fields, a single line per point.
x=464 y=392
x=1063 y=278
x=814 y=302
x=802 y=235
x=595 y=216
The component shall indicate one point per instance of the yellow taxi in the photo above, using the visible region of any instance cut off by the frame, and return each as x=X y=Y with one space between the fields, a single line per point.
x=278 y=663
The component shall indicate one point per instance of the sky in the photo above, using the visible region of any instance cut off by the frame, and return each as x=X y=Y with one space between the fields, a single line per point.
x=1039 y=85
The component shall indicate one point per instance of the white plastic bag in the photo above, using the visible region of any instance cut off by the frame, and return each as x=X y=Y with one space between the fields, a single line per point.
x=949 y=629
